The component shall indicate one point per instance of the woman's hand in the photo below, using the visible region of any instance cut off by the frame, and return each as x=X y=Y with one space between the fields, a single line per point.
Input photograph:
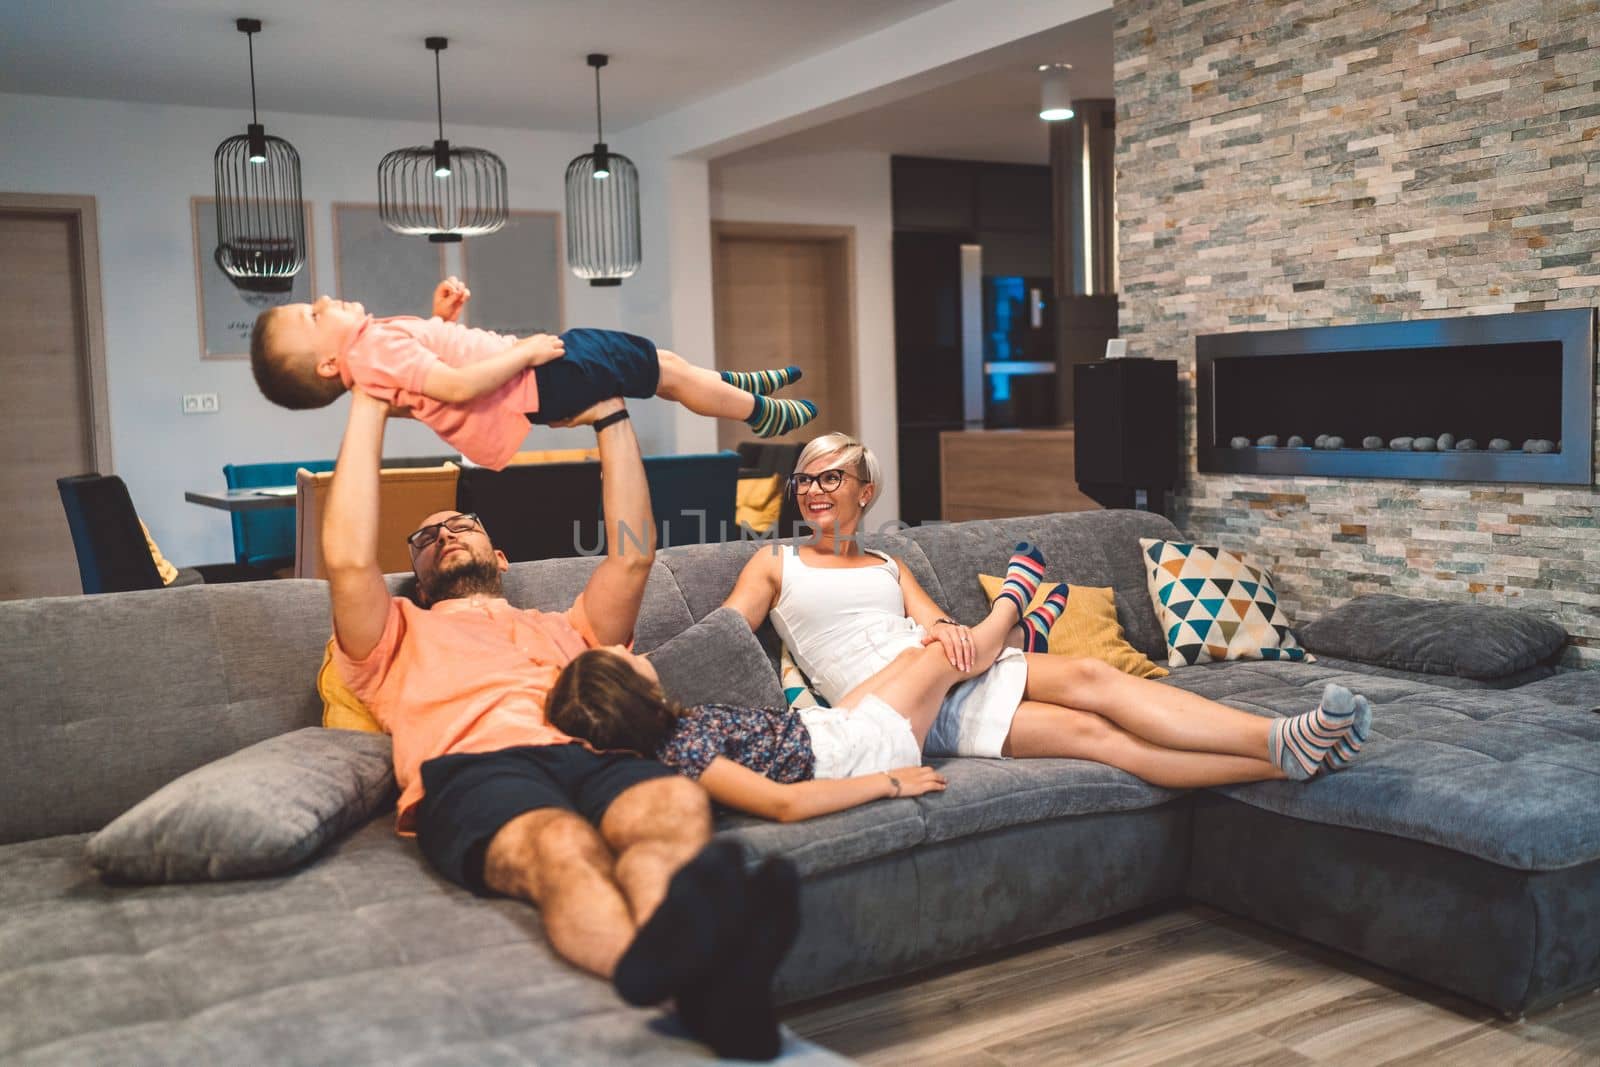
x=914 y=781
x=957 y=642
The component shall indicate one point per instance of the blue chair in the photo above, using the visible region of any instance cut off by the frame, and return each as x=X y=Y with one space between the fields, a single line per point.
x=112 y=554
x=266 y=538
x=693 y=497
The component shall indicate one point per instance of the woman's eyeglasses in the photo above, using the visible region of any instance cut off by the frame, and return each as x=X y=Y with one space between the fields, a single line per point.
x=827 y=481
x=425 y=536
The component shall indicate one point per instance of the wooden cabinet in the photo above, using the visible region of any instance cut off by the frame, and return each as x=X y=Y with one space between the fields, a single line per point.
x=991 y=474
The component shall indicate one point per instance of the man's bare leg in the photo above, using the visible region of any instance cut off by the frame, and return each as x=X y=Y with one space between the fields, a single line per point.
x=655 y=828
x=555 y=859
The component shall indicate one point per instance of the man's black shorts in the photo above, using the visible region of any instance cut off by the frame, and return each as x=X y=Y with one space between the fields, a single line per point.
x=599 y=364
x=469 y=796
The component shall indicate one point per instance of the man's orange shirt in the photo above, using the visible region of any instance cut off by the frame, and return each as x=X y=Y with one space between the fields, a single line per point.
x=468 y=675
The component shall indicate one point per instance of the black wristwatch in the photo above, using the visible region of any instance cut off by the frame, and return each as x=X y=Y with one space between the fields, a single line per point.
x=610 y=420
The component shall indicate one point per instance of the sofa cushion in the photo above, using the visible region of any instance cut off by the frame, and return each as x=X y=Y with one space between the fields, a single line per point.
x=1215 y=605
x=717 y=661
x=984 y=795
x=365 y=956
x=1435 y=637
x=1087 y=626
x=263 y=810
x=108 y=698
x=1499 y=774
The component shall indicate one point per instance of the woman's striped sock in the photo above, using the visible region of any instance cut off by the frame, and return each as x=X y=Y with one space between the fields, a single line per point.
x=1343 y=753
x=773 y=417
x=1037 y=623
x=761 y=382
x=1298 y=743
x=1023 y=574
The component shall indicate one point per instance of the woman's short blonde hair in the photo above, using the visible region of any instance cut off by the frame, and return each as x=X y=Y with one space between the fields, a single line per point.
x=851 y=455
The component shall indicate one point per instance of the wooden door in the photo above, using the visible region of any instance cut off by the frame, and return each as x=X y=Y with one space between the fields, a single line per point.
x=47 y=391
x=784 y=295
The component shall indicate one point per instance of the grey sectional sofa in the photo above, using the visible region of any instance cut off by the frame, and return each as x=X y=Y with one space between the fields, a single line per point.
x=1464 y=849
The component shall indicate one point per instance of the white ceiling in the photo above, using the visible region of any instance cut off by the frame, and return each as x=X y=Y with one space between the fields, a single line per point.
x=520 y=63
x=991 y=116
x=516 y=63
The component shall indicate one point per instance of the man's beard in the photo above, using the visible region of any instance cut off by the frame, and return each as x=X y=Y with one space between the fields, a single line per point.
x=471 y=576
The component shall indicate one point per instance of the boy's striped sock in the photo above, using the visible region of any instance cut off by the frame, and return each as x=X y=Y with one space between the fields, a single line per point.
x=1298 y=743
x=761 y=382
x=1023 y=574
x=773 y=417
x=1343 y=753
x=1037 y=623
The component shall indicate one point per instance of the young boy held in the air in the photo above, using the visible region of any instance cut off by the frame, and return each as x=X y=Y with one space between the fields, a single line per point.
x=479 y=390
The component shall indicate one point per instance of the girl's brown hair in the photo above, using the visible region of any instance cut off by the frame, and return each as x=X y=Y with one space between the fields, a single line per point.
x=601 y=699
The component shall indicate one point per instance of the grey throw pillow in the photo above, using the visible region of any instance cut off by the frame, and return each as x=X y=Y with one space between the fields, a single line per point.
x=263 y=810
x=718 y=661
x=1434 y=637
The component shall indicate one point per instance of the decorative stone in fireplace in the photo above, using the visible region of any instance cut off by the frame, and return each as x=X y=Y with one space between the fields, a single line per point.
x=1519 y=387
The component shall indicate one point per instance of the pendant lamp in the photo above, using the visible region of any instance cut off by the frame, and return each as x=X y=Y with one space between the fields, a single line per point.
x=602 y=207
x=261 y=222
x=447 y=192
x=1055 y=92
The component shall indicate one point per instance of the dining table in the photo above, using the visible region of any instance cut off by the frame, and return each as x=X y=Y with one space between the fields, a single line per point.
x=263 y=498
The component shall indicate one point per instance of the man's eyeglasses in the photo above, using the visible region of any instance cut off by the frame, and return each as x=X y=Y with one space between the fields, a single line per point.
x=424 y=537
x=827 y=481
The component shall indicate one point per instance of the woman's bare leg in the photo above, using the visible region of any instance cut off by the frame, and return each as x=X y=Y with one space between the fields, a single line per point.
x=916 y=681
x=1046 y=730
x=1161 y=714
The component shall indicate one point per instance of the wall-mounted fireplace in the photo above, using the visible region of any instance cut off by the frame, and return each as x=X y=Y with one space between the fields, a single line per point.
x=1499 y=382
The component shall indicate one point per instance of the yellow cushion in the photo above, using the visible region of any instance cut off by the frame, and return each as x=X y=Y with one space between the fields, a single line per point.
x=1088 y=627
x=167 y=571
x=341 y=709
x=758 y=502
x=556 y=455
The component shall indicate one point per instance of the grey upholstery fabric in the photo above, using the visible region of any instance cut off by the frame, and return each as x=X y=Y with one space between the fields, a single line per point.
x=990 y=794
x=717 y=660
x=1517 y=680
x=263 y=810
x=1468 y=640
x=363 y=957
x=1516 y=940
x=111 y=697
x=1495 y=774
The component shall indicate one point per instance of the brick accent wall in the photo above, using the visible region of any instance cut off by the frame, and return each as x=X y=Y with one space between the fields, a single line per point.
x=1322 y=163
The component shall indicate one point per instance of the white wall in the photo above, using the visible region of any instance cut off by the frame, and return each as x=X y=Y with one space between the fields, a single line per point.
x=848 y=188
x=142 y=163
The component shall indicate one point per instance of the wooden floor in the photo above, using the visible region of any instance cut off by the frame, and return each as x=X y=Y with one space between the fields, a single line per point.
x=1188 y=986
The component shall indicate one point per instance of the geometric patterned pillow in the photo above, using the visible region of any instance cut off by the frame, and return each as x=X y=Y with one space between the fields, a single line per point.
x=1215 y=606
x=797 y=689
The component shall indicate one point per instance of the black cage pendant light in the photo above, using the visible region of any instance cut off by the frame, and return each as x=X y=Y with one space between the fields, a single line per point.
x=447 y=191
x=602 y=207
x=261 y=222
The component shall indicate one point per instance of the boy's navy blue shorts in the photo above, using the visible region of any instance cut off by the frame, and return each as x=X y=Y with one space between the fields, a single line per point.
x=599 y=364
x=467 y=797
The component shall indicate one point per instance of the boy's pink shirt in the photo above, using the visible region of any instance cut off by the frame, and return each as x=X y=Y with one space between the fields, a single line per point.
x=390 y=358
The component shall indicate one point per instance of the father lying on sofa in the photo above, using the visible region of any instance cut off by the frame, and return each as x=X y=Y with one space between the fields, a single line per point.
x=611 y=847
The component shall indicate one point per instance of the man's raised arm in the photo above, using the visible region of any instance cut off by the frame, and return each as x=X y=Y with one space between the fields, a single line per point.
x=350 y=531
x=615 y=590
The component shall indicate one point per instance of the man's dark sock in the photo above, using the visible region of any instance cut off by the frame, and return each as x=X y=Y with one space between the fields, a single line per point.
x=731 y=1010
x=692 y=931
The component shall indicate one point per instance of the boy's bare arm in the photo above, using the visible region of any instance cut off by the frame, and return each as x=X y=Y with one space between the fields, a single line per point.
x=350 y=531
x=456 y=385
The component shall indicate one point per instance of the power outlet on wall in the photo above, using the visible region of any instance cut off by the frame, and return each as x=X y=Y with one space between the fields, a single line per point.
x=200 y=404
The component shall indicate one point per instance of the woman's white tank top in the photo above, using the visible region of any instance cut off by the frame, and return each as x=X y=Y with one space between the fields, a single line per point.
x=842 y=625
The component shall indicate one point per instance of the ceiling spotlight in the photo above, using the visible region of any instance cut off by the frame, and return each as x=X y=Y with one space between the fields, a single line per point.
x=1055 y=94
